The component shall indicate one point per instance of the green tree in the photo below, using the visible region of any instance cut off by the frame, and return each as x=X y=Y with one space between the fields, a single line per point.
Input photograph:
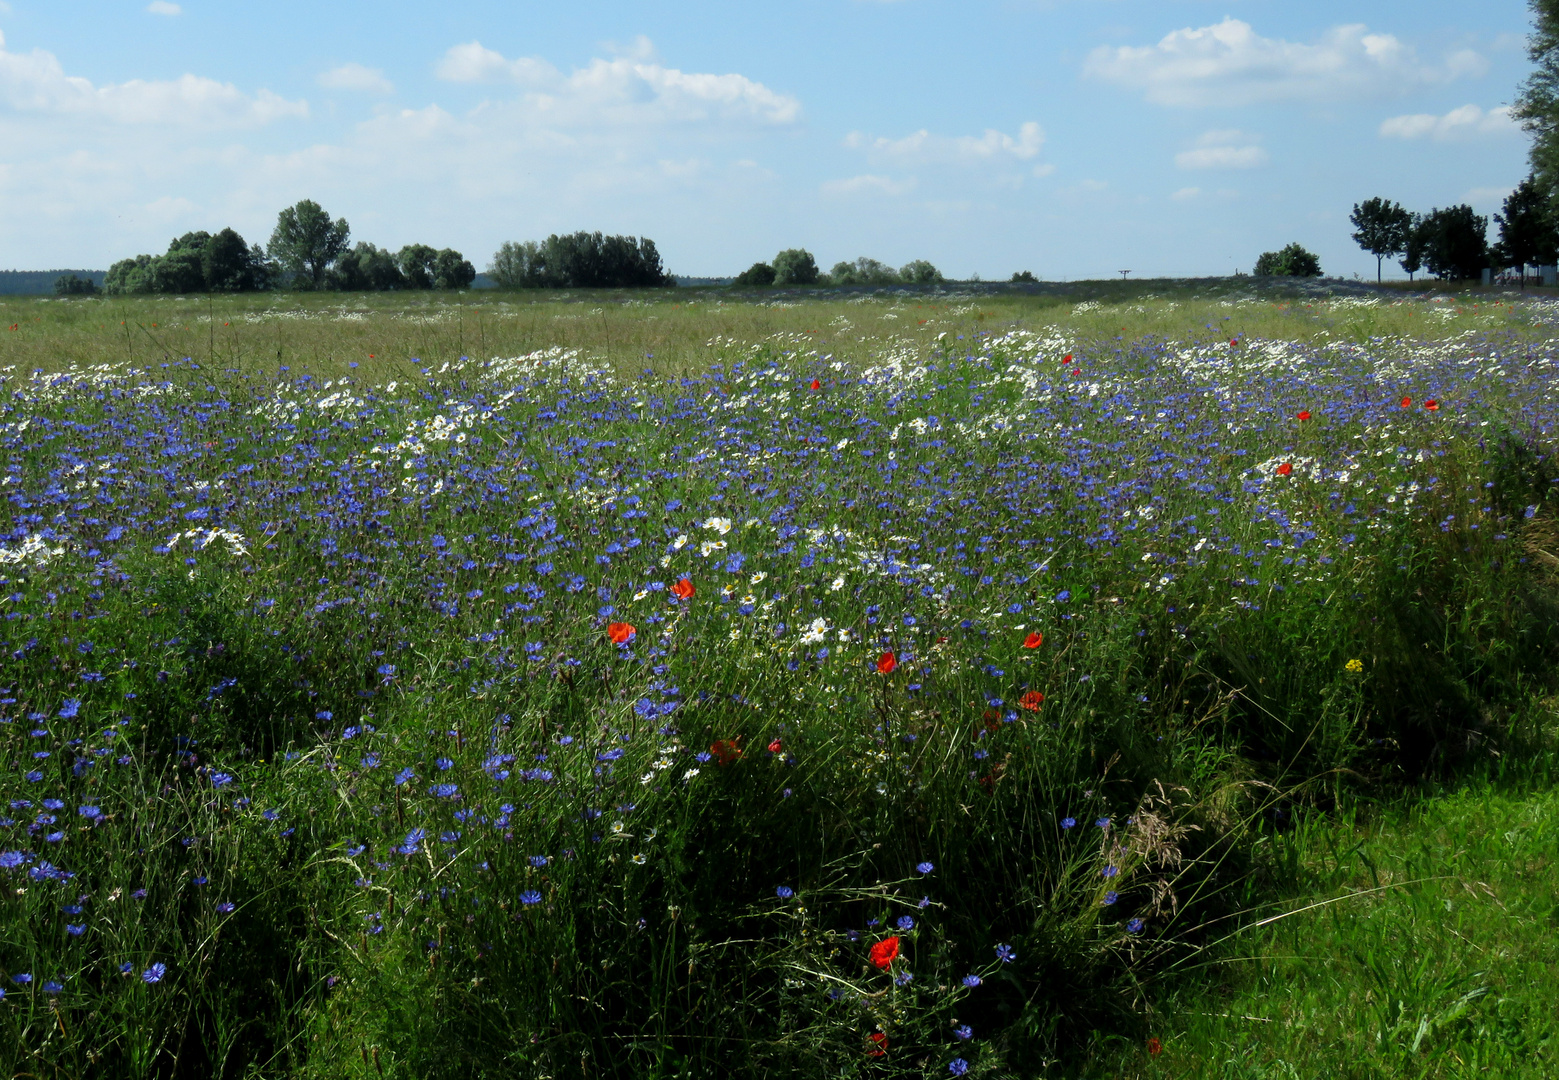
x=1454 y=242
x=759 y=274
x=228 y=264
x=1527 y=235
x=920 y=272
x=417 y=265
x=1537 y=101
x=864 y=271
x=1292 y=261
x=518 y=266
x=1024 y=277
x=306 y=242
x=795 y=266
x=452 y=270
x=71 y=285
x=1412 y=259
x=365 y=268
x=1381 y=229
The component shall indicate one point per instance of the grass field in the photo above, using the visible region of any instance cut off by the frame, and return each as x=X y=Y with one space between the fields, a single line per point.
x=1116 y=679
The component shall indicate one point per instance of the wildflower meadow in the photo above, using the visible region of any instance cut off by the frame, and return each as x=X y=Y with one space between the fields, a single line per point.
x=893 y=684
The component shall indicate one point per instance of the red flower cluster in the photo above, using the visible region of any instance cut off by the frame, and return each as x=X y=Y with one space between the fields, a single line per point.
x=1032 y=700
x=879 y=1044
x=620 y=633
x=726 y=751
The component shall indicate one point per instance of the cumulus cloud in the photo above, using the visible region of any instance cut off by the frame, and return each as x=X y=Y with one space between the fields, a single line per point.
x=36 y=83
x=162 y=7
x=1230 y=64
x=625 y=89
x=924 y=147
x=1223 y=150
x=1469 y=120
x=356 y=77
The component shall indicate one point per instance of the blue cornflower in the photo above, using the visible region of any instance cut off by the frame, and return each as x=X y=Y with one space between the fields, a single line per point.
x=963 y=1031
x=413 y=839
x=21 y=978
x=1135 y=926
x=221 y=779
x=1063 y=596
x=971 y=981
x=924 y=868
x=154 y=973
x=324 y=714
x=1005 y=954
x=126 y=967
x=75 y=930
x=10 y=860
x=71 y=707
x=1103 y=823
x=404 y=776
x=1109 y=871
x=903 y=978
x=225 y=906
x=1069 y=823
x=52 y=987
x=539 y=861
x=201 y=879
x=271 y=815
x=1110 y=898
x=784 y=892
x=906 y=923
x=443 y=763
x=958 y=1066
x=530 y=896
x=444 y=791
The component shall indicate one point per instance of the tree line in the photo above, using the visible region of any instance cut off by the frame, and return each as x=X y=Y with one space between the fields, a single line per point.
x=796 y=266
x=308 y=251
x=1452 y=243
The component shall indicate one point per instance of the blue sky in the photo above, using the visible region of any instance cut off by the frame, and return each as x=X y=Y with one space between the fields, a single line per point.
x=1072 y=138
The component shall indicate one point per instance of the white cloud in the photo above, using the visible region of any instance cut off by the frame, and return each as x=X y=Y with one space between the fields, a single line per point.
x=35 y=83
x=1487 y=198
x=1230 y=64
x=924 y=147
x=623 y=90
x=1458 y=123
x=1186 y=193
x=162 y=7
x=868 y=184
x=1227 y=149
x=356 y=77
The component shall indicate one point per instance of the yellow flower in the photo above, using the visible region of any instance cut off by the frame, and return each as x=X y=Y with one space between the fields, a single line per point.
x=1355 y=665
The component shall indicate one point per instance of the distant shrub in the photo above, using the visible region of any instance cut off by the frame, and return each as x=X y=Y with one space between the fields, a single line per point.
x=195 y=262
x=920 y=272
x=1292 y=261
x=1024 y=277
x=580 y=260
x=759 y=274
x=71 y=285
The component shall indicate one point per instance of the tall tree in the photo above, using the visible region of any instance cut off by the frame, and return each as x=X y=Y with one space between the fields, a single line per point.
x=1455 y=242
x=1382 y=229
x=1412 y=259
x=1526 y=228
x=795 y=266
x=306 y=241
x=1537 y=102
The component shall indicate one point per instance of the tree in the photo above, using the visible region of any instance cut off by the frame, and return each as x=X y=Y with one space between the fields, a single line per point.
x=417 y=265
x=1292 y=261
x=228 y=264
x=1413 y=247
x=795 y=266
x=1024 y=277
x=1537 y=101
x=306 y=242
x=451 y=270
x=920 y=272
x=759 y=274
x=366 y=268
x=1454 y=242
x=518 y=266
x=864 y=271
x=1382 y=227
x=71 y=285
x=1526 y=229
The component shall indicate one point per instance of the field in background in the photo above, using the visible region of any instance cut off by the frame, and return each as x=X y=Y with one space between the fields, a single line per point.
x=1166 y=668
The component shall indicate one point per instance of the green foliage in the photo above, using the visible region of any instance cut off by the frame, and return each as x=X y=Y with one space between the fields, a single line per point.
x=795 y=266
x=306 y=242
x=1024 y=277
x=920 y=272
x=1381 y=228
x=1454 y=242
x=1537 y=101
x=759 y=274
x=1292 y=261
x=1528 y=235
x=196 y=262
x=580 y=260
x=72 y=285
x=366 y=268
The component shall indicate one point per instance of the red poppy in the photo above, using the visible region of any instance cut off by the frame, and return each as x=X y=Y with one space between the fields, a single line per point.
x=1304 y=414
x=1407 y=402
x=879 y=1044
x=1234 y=343
x=682 y=589
x=1432 y=405
x=620 y=632
x=1155 y=1047
x=1034 y=640
x=992 y=719
x=726 y=751
x=815 y=385
x=886 y=663
x=774 y=747
x=1032 y=700
x=1285 y=468
x=1067 y=359
x=885 y=951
